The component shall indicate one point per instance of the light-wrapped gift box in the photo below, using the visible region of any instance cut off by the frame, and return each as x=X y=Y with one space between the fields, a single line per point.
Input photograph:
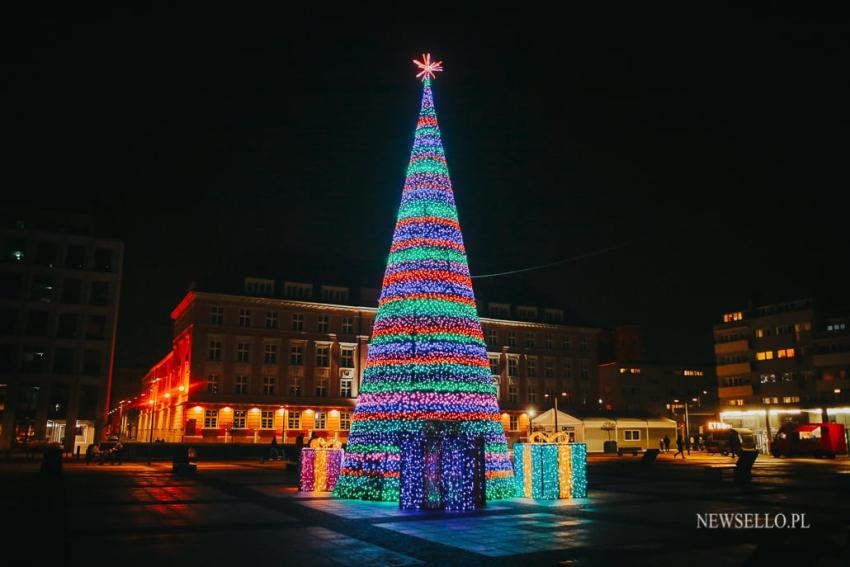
x=320 y=465
x=551 y=469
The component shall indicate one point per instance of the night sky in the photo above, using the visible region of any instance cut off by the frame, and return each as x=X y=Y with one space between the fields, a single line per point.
x=715 y=150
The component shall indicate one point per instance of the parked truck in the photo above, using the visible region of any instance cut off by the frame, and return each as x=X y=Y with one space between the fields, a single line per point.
x=816 y=439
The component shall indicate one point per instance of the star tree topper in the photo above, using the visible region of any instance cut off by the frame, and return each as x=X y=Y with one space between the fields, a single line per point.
x=428 y=67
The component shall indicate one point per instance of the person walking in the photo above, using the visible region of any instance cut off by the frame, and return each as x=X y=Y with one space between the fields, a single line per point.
x=734 y=444
x=661 y=445
x=680 y=446
x=666 y=444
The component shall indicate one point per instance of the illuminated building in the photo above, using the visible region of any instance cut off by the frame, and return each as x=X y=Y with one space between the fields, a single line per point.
x=59 y=294
x=780 y=362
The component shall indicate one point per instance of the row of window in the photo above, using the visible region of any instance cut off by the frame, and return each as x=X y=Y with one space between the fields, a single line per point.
x=322 y=353
x=785 y=400
x=531 y=367
x=36 y=359
x=530 y=340
x=780 y=353
x=739 y=358
x=272 y=320
x=241 y=385
x=295 y=290
x=293 y=419
x=43 y=288
x=67 y=325
x=49 y=254
x=527 y=313
x=780 y=330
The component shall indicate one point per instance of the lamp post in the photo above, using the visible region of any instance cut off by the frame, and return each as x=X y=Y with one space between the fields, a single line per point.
x=531 y=414
x=153 y=411
x=555 y=399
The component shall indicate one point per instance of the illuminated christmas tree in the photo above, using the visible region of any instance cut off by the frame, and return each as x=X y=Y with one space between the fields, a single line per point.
x=427 y=361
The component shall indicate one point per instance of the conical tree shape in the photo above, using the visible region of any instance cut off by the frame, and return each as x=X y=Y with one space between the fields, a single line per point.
x=427 y=358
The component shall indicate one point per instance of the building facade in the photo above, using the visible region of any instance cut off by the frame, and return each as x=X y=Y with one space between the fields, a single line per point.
x=781 y=362
x=286 y=358
x=59 y=295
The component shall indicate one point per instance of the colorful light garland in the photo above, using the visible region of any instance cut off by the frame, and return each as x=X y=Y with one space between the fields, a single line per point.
x=549 y=471
x=320 y=469
x=427 y=359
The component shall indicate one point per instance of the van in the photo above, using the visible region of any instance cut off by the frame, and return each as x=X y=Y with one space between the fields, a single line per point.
x=816 y=439
x=719 y=441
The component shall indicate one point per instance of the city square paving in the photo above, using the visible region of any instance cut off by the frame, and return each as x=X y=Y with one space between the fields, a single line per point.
x=246 y=511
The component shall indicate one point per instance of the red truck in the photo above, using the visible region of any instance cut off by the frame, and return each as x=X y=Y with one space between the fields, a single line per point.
x=817 y=439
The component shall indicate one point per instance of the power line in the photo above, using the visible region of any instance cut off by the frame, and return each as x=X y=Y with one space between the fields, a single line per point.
x=557 y=262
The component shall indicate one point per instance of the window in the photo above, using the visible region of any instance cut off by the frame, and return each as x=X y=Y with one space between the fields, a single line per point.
x=735 y=381
x=737 y=402
x=764 y=355
x=348 y=325
x=96 y=327
x=512 y=338
x=75 y=257
x=240 y=385
x=320 y=421
x=629 y=370
x=67 y=326
x=215 y=350
x=547 y=342
x=33 y=359
x=345 y=387
x=260 y=287
x=269 y=383
x=530 y=340
x=216 y=315
x=346 y=358
x=787 y=376
x=785 y=353
x=762 y=333
x=92 y=362
x=212 y=383
x=531 y=367
x=526 y=313
x=323 y=356
x=344 y=420
x=334 y=294
x=99 y=293
x=239 y=418
x=63 y=361
x=770 y=400
x=548 y=368
x=791 y=399
x=494 y=365
x=211 y=419
x=243 y=352
x=42 y=289
x=631 y=434
x=582 y=344
x=103 y=259
x=567 y=366
x=295 y=290
x=736 y=316
x=294 y=385
x=46 y=254
x=270 y=354
x=37 y=323
x=244 y=317
x=566 y=342
x=500 y=310
x=693 y=373
x=72 y=289
x=512 y=393
x=297 y=321
x=585 y=370
x=513 y=423
x=492 y=336
x=767 y=378
x=512 y=367
x=321 y=387
x=293 y=420
x=532 y=394
x=267 y=419
x=805 y=326
x=553 y=315
x=322 y=323
x=271 y=319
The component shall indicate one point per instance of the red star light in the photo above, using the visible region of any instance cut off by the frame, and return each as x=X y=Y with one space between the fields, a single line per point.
x=428 y=68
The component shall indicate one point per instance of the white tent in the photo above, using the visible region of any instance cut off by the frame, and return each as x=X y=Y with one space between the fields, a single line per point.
x=546 y=422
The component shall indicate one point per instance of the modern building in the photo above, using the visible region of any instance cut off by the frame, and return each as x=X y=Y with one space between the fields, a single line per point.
x=59 y=294
x=629 y=382
x=283 y=358
x=781 y=362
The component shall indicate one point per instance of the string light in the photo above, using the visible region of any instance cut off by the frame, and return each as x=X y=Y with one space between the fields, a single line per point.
x=552 y=470
x=427 y=359
x=320 y=468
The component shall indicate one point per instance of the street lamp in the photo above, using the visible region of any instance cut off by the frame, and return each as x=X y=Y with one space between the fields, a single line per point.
x=555 y=399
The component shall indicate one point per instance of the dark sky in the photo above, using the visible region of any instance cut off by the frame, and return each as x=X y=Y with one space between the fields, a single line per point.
x=715 y=148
